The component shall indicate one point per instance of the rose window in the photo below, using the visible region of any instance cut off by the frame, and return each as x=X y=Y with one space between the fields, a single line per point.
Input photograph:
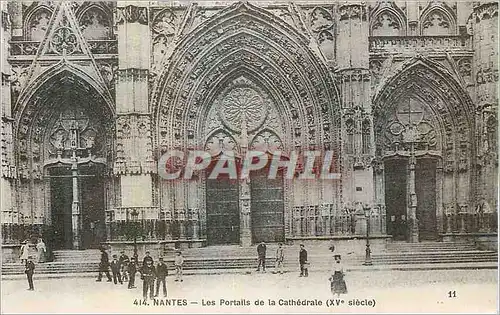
x=243 y=103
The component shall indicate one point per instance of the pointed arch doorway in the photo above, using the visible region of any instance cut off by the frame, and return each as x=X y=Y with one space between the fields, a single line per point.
x=411 y=172
x=65 y=145
x=424 y=139
x=397 y=197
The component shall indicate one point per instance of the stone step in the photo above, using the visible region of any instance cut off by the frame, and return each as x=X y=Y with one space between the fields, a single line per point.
x=245 y=264
x=236 y=257
x=427 y=244
x=436 y=253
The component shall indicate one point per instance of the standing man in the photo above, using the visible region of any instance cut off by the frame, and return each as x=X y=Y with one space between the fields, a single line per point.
x=261 y=252
x=161 y=274
x=303 y=261
x=30 y=270
x=115 y=269
x=124 y=261
x=148 y=275
x=132 y=269
x=104 y=265
x=146 y=258
x=178 y=262
x=280 y=257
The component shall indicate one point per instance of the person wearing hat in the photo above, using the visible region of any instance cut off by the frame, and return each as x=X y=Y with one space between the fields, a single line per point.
x=337 y=281
x=30 y=270
x=161 y=275
x=148 y=275
x=104 y=265
x=24 y=252
x=115 y=269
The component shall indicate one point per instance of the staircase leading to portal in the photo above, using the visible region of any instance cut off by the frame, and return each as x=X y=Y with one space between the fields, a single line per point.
x=225 y=258
x=402 y=253
x=65 y=261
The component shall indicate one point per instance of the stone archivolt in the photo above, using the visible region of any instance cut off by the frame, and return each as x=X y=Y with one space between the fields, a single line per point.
x=433 y=85
x=229 y=45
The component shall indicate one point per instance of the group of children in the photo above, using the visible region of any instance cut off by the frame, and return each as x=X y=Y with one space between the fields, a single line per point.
x=125 y=269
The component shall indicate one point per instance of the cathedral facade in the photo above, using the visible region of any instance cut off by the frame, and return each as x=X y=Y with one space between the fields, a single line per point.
x=404 y=93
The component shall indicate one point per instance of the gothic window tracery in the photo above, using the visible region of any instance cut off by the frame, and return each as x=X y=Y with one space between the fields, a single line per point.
x=321 y=23
x=75 y=129
x=410 y=121
x=436 y=23
x=95 y=24
x=267 y=141
x=220 y=142
x=164 y=26
x=386 y=24
x=38 y=24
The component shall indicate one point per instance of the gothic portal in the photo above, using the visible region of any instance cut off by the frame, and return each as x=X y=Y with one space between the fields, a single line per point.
x=93 y=94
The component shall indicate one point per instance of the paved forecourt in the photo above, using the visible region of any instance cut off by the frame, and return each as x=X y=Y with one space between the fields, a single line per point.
x=456 y=291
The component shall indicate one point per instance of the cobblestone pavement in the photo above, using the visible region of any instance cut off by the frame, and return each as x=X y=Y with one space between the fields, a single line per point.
x=390 y=291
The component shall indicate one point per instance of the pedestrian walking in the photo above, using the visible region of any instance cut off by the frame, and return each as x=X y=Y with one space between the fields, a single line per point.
x=115 y=269
x=261 y=253
x=148 y=275
x=178 y=263
x=41 y=250
x=146 y=258
x=280 y=257
x=132 y=269
x=161 y=275
x=304 y=272
x=337 y=282
x=124 y=261
x=30 y=270
x=24 y=252
x=103 y=265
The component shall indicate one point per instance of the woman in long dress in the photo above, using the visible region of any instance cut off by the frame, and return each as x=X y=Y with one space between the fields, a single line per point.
x=24 y=252
x=337 y=281
x=41 y=250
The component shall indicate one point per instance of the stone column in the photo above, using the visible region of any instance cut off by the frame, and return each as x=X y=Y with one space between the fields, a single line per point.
x=245 y=219
x=75 y=205
x=484 y=22
x=411 y=213
x=353 y=63
x=379 y=182
x=134 y=161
